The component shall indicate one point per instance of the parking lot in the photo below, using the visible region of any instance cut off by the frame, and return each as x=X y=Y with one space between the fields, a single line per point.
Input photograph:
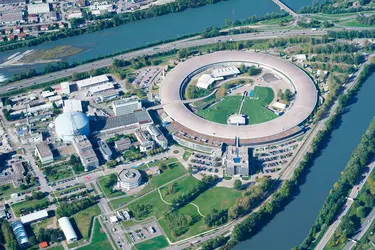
x=144 y=232
x=274 y=158
x=207 y=163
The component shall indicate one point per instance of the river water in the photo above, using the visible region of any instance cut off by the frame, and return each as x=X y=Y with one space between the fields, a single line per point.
x=146 y=31
x=290 y=227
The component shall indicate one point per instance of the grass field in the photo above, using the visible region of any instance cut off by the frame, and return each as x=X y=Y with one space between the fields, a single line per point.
x=219 y=197
x=186 y=155
x=18 y=206
x=158 y=206
x=116 y=203
x=197 y=227
x=166 y=176
x=219 y=112
x=182 y=186
x=253 y=108
x=99 y=239
x=154 y=244
x=107 y=191
x=83 y=220
x=60 y=172
x=10 y=189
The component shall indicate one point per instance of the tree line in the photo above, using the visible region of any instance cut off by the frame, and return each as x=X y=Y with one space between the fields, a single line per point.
x=331 y=7
x=67 y=209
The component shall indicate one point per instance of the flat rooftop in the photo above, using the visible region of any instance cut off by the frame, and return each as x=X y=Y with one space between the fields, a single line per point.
x=43 y=149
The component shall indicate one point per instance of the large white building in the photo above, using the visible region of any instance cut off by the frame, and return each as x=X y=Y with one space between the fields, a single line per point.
x=68 y=229
x=205 y=81
x=39 y=8
x=129 y=179
x=33 y=217
x=71 y=124
x=126 y=106
x=92 y=81
x=65 y=88
x=101 y=88
x=72 y=106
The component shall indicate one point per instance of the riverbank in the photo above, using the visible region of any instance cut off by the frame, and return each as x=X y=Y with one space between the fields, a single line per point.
x=31 y=57
x=349 y=177
x=111 y=21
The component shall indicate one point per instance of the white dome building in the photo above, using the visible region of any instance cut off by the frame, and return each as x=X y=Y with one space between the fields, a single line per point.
x=71 y=124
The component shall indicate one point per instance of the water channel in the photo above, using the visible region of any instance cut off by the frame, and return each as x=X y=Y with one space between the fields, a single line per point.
x=146 y=31
x=291 y=226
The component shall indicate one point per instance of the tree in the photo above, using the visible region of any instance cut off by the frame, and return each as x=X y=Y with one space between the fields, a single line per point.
x=348 y=226
x=33 y=240
x=216 y=217
x=254 y=71
x=287 y=95
x=172 y=189
x=237 y=184
x=362 y=212
x=182 y=53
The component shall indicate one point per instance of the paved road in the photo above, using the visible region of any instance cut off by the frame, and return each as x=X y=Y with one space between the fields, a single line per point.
x=353 y=194
x=160 y=48
x=364 y=228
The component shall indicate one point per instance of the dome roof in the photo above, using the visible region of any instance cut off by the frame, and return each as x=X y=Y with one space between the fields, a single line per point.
x=71 y=124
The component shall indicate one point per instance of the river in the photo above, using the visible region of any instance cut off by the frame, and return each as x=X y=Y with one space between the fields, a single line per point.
x=146 y=31
x=290 y=227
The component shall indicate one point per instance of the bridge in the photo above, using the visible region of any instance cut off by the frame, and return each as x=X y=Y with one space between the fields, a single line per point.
x=286 y=8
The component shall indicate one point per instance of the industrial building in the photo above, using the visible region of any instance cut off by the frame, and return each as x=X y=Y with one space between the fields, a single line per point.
x=33 y=217
x=105 y=150
x=237 y=160
x=206 y=80
x=11 y=16
x=71 y=124
x=85 y=151
x=72 y=106
x=108 y=95
x=101 y=88
x=123 y=144
x=128 y=179
x=65 y=88
x=68 y=230
x=158 y=136
x=144 y=138
x=39 y=8
x=43 y=152
x=124 y=124
x=92 y=81
x=20 y=233
x=237 y=119
x=225 y=72
x=126 y=106
x=3 y=212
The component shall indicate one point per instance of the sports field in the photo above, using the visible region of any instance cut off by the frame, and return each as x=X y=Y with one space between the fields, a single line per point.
x=253 y=107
